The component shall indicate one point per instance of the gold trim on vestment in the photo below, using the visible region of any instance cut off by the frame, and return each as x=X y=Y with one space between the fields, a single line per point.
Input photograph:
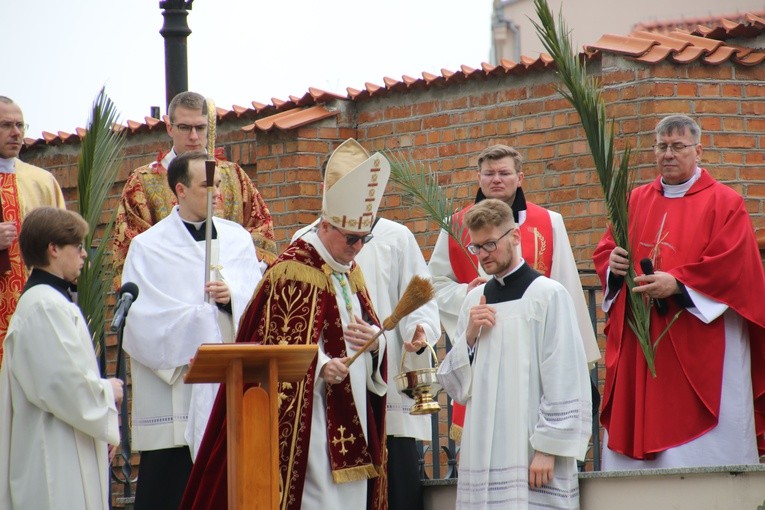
x=455 y=432
x=355 y=473
x=293 y=270
x=356 y=279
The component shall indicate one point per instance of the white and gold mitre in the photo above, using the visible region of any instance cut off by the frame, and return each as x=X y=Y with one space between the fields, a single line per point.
x=354 y=183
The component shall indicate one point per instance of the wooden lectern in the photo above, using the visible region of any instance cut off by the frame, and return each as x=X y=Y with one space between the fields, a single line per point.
x=252 y=417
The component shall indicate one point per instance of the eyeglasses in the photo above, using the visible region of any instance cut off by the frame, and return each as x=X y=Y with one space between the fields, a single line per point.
x=488 y=246
x=351 y=239
x=661 y=148
x=186 y=128
x=8 y=125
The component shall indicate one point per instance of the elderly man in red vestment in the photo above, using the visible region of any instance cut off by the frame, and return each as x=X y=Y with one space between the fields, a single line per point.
x=698 y=410
x=332 y=424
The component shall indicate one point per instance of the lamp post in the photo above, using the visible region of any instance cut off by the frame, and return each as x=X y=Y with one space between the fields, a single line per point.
x=175 y=30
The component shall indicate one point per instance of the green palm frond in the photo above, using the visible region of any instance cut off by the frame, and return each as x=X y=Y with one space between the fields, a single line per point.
x=98 y=165
x=584 y=93
x=421 y=184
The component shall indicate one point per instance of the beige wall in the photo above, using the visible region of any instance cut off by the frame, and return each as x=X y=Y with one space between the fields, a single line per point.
x=588 y=20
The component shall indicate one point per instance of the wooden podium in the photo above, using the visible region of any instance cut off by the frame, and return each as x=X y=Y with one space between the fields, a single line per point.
x=252 y=417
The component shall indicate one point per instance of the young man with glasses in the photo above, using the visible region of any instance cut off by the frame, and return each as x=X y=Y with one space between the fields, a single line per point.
x=24 y=187
x=146 y=197
x=57 y=413
x=518 y=365
x=704 y=406
x=544 y=244
x=331 y=447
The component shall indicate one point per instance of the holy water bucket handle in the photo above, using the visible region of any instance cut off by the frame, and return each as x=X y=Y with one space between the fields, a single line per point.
x=432 y=351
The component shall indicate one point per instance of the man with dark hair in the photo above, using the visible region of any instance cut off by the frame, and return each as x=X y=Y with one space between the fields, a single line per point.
x=57 y=413
x=146 y=197
x=172 y=317
x=706 y=405
x=518 y=365
x=24 y=187
x=544 y=246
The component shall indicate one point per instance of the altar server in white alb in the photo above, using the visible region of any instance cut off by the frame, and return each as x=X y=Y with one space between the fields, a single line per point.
x=57 y=413
x=518 y=364
x=388 y=262
x=171 y=318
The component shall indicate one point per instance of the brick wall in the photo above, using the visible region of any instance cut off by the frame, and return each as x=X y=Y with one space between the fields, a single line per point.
x=446 y=125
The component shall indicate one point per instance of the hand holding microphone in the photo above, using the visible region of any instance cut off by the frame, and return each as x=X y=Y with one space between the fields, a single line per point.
x=661 y=304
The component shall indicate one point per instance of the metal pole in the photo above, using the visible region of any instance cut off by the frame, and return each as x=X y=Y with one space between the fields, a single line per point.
x=175 y=30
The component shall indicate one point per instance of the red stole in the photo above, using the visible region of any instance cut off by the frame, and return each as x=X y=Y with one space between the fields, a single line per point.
x=13 y=277
x=536 y=244
x=698 y=239
x=536 y=249
x=295 y=304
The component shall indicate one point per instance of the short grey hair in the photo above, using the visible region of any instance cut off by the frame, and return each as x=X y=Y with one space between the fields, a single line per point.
x=679 y=124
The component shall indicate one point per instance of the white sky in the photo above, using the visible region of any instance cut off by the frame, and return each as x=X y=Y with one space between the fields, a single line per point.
x=59 y=53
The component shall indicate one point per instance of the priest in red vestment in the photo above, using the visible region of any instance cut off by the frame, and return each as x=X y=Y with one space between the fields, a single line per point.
x=23 y=187
x=705 y=406
x=332 y=424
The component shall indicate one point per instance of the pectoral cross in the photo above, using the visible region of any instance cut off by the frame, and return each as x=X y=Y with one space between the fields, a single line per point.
x=342 y=439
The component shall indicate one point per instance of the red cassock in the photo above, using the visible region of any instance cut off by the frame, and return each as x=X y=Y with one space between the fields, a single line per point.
x=706 y=241
x=294 y=305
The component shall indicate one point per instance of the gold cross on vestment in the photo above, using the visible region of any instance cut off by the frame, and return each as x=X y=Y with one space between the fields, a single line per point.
x=342 y=439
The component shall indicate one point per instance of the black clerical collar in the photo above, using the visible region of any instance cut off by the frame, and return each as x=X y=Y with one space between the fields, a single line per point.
x=41 y=277
x=511 y=286
x=198 y=233
x=518 y=205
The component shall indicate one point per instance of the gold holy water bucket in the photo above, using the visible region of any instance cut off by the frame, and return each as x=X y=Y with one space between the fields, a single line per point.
x=420 y=385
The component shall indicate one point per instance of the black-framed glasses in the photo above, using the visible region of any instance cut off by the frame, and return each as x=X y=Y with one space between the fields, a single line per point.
x=661 y=148
x=352 y=239
x=186 y=128
x=488 y=246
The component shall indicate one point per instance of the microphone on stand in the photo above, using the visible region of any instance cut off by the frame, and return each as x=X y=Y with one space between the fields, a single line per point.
x=661 y=304
x=127 y=294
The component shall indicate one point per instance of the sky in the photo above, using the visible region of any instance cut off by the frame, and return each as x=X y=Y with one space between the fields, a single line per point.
x=60 y=53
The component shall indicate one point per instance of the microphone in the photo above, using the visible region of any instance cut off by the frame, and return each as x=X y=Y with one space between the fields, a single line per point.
x=127 y=293
x=661 y=304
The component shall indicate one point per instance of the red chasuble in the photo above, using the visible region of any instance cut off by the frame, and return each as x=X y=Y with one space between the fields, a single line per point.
x=537 y=251
x=706 y=241
x=295 y=304
x=12 y=277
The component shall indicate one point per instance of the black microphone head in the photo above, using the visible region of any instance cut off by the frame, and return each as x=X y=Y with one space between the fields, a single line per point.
x=129 y=288
x=646 y=265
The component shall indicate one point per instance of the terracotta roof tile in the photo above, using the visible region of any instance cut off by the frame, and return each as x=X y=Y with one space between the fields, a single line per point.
x=677 y=42
x=727 y=26
x=291 y=119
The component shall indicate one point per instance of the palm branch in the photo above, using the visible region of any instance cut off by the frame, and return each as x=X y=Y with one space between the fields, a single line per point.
x=421 y=184
x=584 y=93
x=97 y=169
